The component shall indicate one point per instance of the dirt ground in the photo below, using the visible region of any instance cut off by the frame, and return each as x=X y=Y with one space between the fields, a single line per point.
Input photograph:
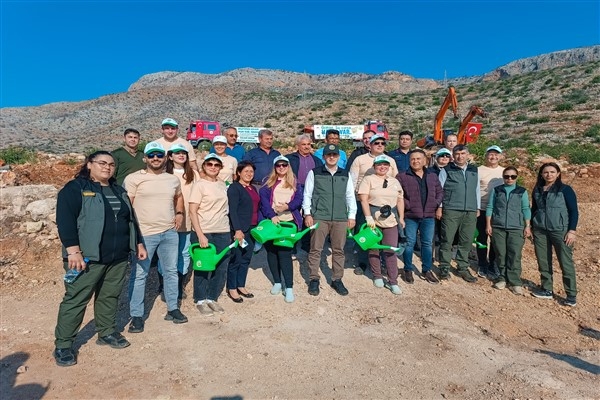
x=453 y=340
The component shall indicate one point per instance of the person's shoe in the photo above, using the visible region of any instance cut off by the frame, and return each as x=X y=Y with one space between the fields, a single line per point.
x=430 y=277
x=234 y=299
x=378 y=283
x=65 y=357
x=482 y=272
x=466 y=275
x=313 y=287
x=571 y=301
x=542 y=294
x=176 y=316
x=339 y=287
x=499 y=285
x=205 y=309
x=444 y=274
x=136 y=325
x=276 y=289
x=360 y=270
x=114 y=340
x=395 y=289
x=247 y=295
x=289 y=295
x=216 y=307
x=518 y=290
x=408 y=277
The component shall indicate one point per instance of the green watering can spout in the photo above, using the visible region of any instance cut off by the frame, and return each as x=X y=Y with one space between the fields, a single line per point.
x=290 y=238
x=206 y=258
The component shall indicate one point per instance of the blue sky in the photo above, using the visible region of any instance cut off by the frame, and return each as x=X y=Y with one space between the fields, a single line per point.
x=79 y=50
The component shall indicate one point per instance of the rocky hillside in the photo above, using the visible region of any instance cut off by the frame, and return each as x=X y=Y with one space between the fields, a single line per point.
x=549 y=98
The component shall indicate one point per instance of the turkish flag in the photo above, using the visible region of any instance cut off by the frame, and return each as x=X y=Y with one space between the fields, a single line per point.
x=472 y=131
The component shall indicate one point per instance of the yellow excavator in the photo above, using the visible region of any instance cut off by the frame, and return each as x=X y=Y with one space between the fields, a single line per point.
x=463 y=135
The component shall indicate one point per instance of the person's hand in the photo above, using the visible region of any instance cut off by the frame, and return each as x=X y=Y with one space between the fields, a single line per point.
x=370 y=221
x=281 y=207
x=351 y=223
x=308 y=220
x=488 y=230
x=402 y=223
x=275 y=220
x=203 y=240
x=239 y=236
x=478 y=212
x=438 y=214
x=527 y=232
x=178 y=221
x=141 y=254
x=75 y=261
x=570 y=238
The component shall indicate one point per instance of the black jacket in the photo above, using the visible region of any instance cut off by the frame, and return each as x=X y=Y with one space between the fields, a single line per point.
x=240 y=207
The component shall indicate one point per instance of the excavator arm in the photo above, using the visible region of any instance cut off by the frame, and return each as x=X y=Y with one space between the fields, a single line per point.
x=449 y=101
x=473 y=112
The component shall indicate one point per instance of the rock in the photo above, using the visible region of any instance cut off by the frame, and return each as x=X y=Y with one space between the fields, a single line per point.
x=33 y=227
x=22 y=369
x=41 y=209
x=7 y=178
x=14 y=200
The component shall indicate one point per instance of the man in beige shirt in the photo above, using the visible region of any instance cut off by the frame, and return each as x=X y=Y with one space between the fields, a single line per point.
x=170 y=128
x=158 y=203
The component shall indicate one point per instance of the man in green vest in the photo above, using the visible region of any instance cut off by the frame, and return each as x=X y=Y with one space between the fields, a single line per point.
x=458 y=212
x=329 y=200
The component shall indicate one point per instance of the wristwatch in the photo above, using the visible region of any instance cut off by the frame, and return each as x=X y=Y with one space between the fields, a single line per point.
x=179 y=213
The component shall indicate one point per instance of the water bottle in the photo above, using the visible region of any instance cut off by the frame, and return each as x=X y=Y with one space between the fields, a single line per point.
x=73 y=274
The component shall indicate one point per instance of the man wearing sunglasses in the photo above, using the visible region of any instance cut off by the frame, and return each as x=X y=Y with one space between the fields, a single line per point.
x=490 y=176
x=361 y=166
x=170 y=128
x=458 y=212
x=158 y=203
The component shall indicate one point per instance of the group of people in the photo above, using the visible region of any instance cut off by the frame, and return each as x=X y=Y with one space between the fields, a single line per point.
x=125 y=206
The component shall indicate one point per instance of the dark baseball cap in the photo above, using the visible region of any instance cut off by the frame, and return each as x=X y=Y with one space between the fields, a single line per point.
x=331 y=149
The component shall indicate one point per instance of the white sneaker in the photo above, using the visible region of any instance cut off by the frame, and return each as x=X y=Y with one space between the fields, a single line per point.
x=378 y=283
x=204 y=309
x=518 y=290
x=289 y=295
x=499 y=285
x=395 y=289
x=276 y=289
x=216 y=307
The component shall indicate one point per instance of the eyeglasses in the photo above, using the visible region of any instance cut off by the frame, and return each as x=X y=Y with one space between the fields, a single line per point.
x=104 y=164
x=281 y=165
x=157 y=155
x=385 y=183
x=212 y=164
x=513 y=177
x=379 y=143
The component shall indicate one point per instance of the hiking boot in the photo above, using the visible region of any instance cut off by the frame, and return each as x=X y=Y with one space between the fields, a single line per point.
x=571 y=301
x=429 y=276
x=216 y=307
x=482 y=272
x=339 y=287
x=542 y=294
x=360 y=270
x=466 y=275
x=176 y=316
x=136 y=325
x=408 y=277
x=204 y=309
x=499 y=285
x=518 y=290
x=65 y=357
x=114 y=340
x=444 y=274
x=289 y=295
x=313 y=287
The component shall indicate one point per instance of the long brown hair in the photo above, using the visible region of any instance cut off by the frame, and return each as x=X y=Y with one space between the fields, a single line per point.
x=188 y=172
x=541 y=182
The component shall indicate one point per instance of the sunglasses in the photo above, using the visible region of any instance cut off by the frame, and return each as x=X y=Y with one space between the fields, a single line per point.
x=385 y=183
x=281 y=165
x=513 y=177
x=379 y=143
x=444 y=156
x=212 y=164
x=157 y=155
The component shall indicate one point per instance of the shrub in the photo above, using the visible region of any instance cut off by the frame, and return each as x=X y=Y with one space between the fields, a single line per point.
x=17 y=155
x=539 y=120
x=593 y=131
x=595 y=80
x=564 y=107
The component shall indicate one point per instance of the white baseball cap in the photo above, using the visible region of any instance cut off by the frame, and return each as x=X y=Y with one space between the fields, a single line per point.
x=169 y=121
x=220 y=139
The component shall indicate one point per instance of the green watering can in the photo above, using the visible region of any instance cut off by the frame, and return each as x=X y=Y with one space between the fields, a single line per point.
x=476 y=243
x=369 y=238
x=206 y=258
x=289 y=238
x=266 y=230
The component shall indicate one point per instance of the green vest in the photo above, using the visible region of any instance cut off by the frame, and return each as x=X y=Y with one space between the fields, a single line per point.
x=508 y=212
x=329 y=195
x=460 y=189
x=551 y=214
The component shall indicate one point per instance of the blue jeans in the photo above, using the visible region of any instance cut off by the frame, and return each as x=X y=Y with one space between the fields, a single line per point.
x=209 y=285
x=165 y=245
x=183 y=254
x=425 y=227
x=237 y=271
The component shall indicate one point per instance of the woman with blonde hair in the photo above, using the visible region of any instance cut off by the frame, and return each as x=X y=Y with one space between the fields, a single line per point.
x=281 y=200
